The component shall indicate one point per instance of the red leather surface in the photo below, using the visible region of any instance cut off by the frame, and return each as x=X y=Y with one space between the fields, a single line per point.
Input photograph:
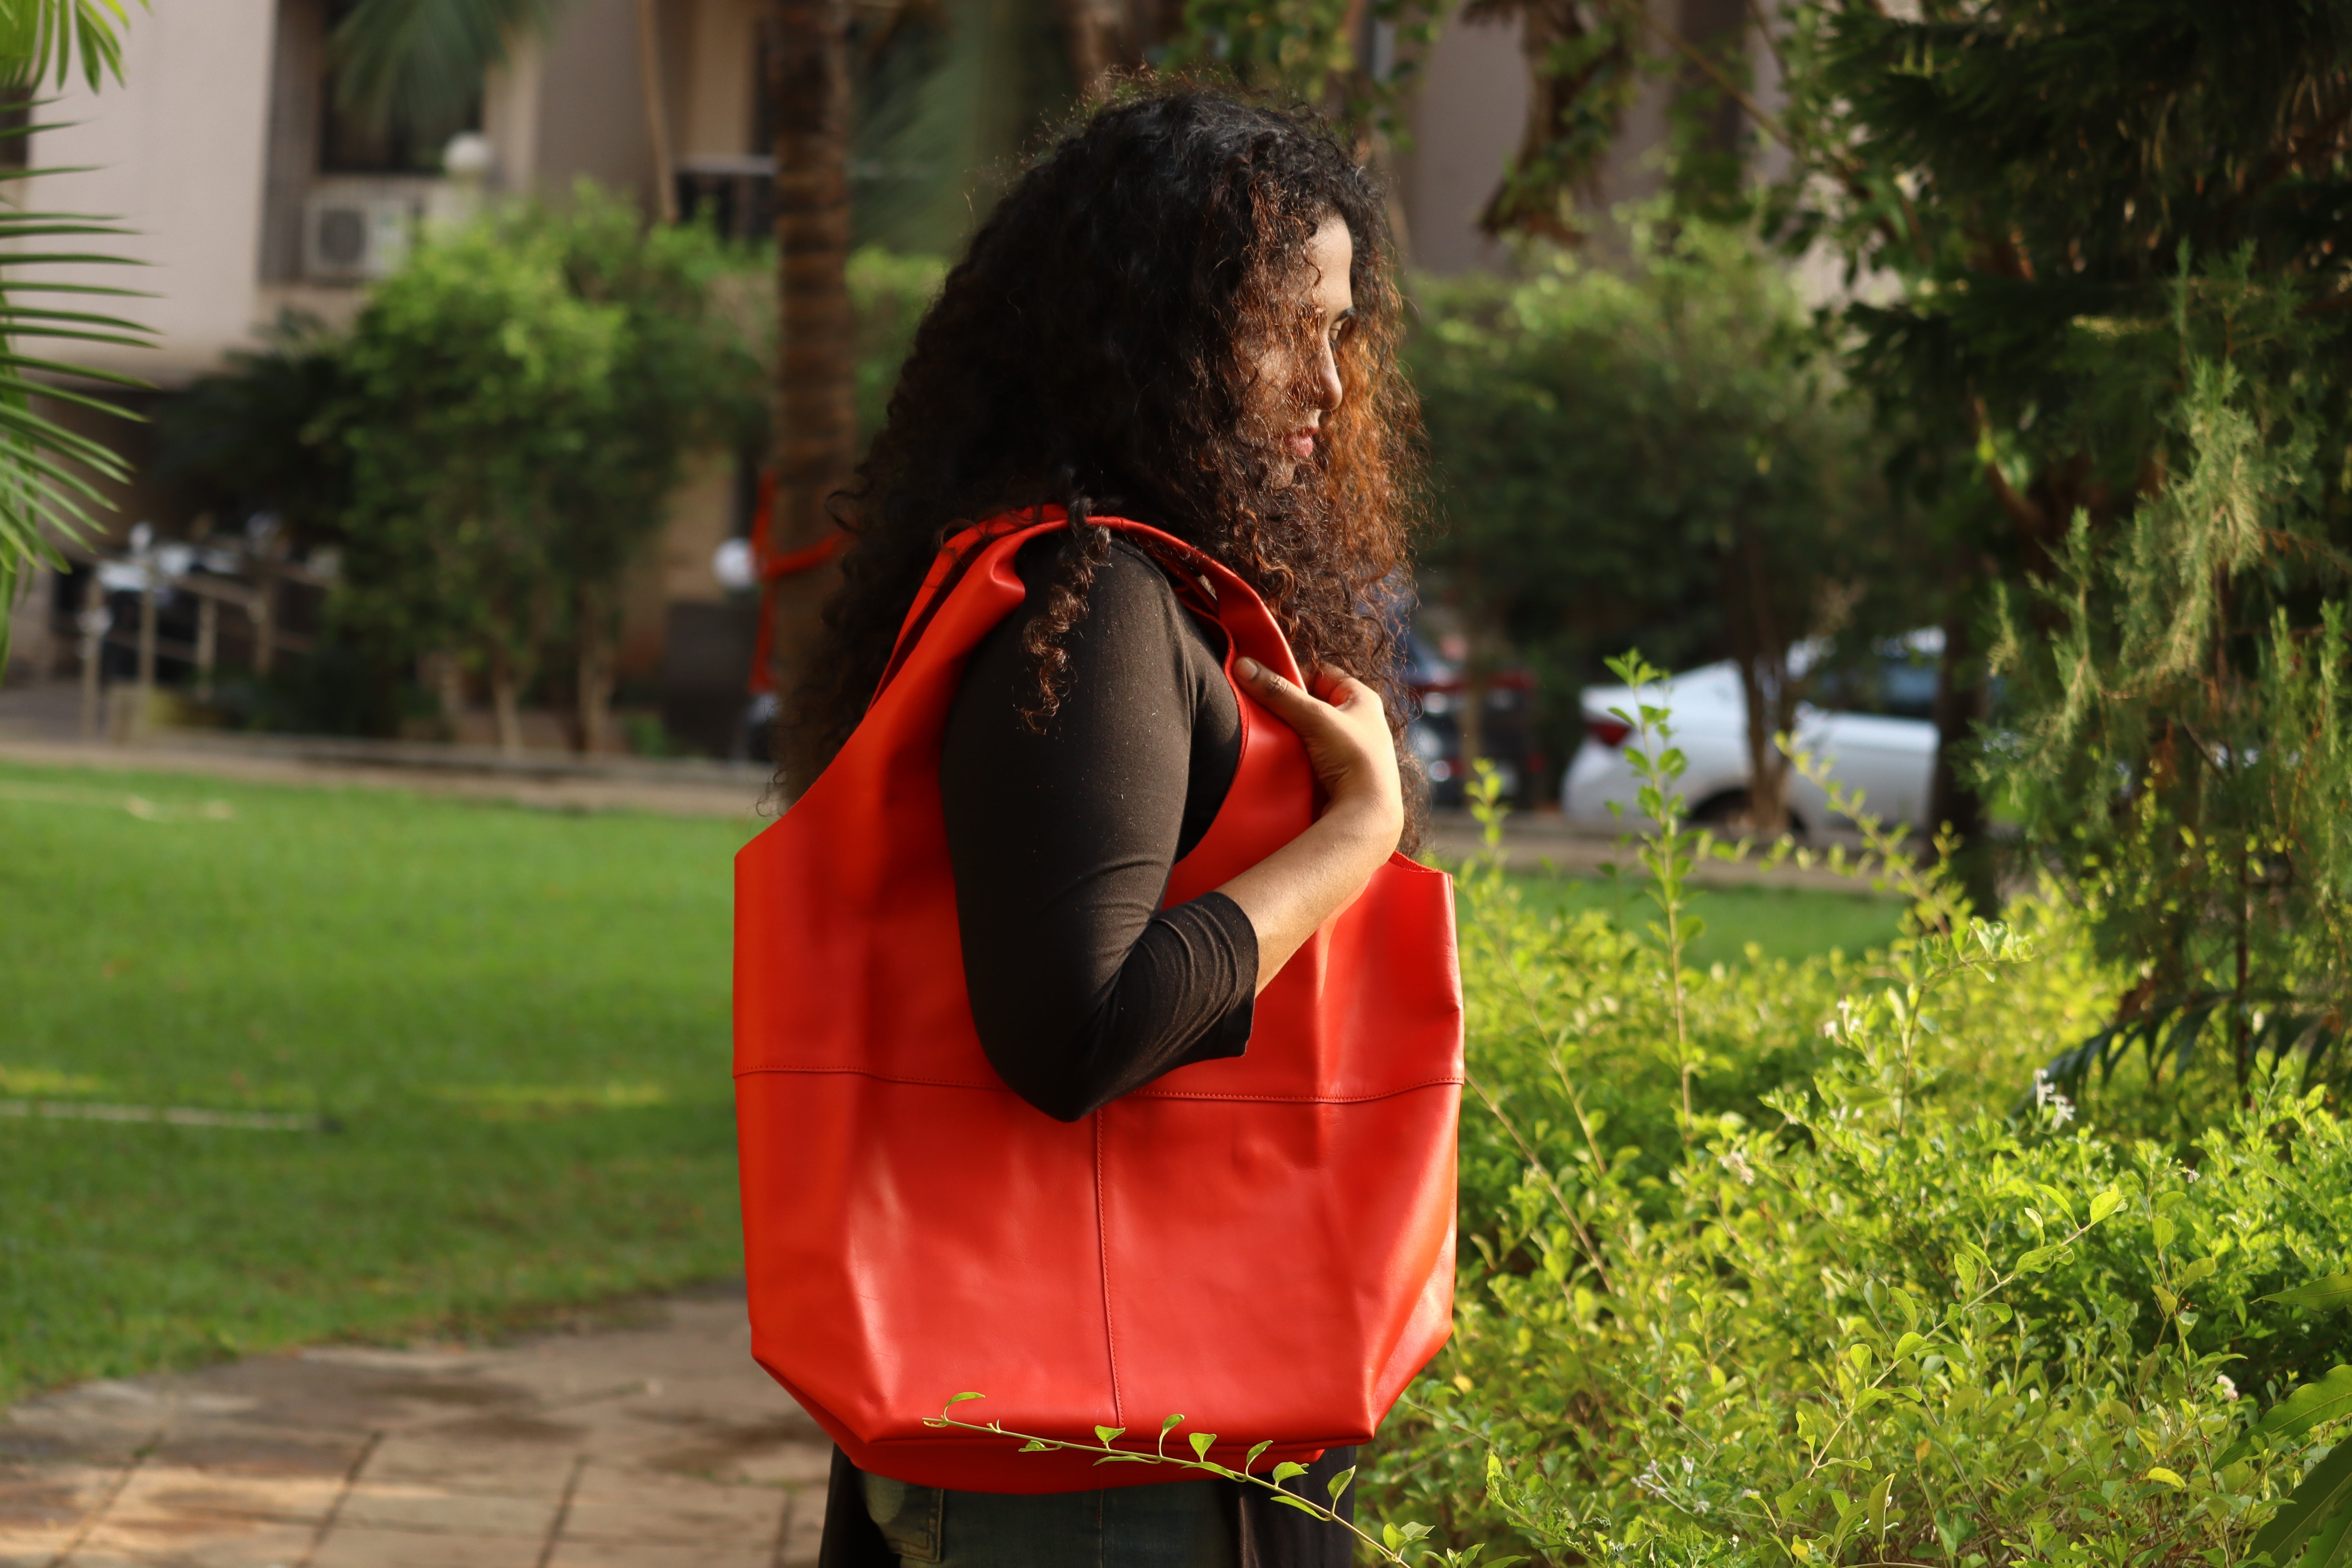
x=1264 y=1244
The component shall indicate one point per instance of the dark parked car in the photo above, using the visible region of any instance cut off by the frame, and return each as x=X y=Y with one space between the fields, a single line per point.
x=1435 y=731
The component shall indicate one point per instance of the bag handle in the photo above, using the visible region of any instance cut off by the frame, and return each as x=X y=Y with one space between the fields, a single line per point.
x=1196 y=576
x=947 y=573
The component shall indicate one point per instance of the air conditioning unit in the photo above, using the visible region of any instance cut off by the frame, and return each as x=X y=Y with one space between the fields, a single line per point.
x=351 y=239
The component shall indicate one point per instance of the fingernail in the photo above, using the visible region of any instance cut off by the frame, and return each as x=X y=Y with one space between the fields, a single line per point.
x=1250 y=668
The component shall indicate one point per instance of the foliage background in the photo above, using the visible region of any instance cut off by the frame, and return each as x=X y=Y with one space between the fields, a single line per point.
x=1659 y=452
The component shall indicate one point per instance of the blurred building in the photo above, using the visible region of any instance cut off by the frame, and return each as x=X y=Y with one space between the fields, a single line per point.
x=249 y=196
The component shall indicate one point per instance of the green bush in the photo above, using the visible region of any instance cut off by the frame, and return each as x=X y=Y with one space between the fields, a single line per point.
x=887 y=296
x=1655 y=452
x=1776 y=1263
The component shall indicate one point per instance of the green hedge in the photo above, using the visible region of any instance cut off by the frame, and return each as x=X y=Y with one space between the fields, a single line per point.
x=1879 y=1295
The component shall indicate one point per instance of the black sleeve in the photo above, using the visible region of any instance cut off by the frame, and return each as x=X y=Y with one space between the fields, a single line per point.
x=1082 y=988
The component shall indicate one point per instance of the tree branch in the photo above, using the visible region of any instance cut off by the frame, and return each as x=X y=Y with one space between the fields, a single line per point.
x=2298 y=151
x=1764 y=31
x=1765 y=121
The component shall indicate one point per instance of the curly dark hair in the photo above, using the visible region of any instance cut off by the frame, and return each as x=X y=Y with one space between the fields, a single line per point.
x=1097 y=348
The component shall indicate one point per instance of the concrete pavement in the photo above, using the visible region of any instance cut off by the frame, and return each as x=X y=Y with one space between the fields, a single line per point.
x=655 y=1446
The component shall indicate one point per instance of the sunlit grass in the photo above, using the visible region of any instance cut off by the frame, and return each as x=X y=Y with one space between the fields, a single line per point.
x=1777 y=921
x=517 y=1021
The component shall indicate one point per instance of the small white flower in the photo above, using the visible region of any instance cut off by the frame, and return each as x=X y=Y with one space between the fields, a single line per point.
x=2045 y=1093
x=2192 y=1175
x=2225 y=1388
x=1736 y=1161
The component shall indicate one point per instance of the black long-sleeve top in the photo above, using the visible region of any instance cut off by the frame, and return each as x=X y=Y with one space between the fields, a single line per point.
x=1062 y=835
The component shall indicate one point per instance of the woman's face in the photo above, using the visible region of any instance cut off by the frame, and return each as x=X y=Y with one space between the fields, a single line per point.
x=1312 y=391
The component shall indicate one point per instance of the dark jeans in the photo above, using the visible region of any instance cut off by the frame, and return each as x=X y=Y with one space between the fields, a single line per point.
x=1179 y=1524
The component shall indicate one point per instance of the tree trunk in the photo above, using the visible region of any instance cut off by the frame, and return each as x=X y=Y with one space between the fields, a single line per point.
x=506 y=702
x=649 y=72
x=1760 y=647
x=446 y=678
x=264 y=609
x=1961 y=705
x=816 y=422
x=1097 y=34
x=1720 y=28
x=595 y=686
x=1764 y=682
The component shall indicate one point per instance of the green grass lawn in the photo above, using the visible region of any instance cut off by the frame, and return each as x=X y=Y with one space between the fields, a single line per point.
x=1781 y=922
x=516 y=1019
x=519 y=1020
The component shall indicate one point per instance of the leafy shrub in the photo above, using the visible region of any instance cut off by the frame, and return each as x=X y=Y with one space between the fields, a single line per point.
x=887 y=296
x=1762 y=1267
x=1655 y=451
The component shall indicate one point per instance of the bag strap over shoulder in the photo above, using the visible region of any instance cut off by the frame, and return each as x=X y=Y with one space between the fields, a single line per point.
x=955 y=558
x=1193 y=574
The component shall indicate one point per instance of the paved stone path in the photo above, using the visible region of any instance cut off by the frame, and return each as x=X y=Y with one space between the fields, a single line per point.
x=659 y=1446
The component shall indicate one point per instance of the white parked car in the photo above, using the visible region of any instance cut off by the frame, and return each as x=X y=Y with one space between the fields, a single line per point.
x=1887 y=753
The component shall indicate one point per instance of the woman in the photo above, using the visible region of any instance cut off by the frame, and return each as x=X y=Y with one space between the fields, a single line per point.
x=1181 y=317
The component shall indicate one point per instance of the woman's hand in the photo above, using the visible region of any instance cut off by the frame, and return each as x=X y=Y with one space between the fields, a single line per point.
x=1346 y=730
x=1298 y=887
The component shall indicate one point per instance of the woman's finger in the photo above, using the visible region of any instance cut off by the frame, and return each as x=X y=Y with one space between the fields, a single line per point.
x=1339 y=687
x=1300 y=709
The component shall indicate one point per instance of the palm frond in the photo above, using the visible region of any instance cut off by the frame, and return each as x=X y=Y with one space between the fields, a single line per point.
x=47 y=471
x=38 y=37
x=48 y=474
x=423 y=60
x=2167 y=1031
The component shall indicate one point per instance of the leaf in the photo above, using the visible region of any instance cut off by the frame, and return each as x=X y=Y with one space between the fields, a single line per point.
x=2159 y=1473
x=2330 y=1546
x=1171 y=1425
x=960 y=1398
x=2324 y=1295
x=1338 y=1483
x=1108 y=1433
x=1301 y=1504
x=2320 y=1501
x=1254 y=1453
x=2105 y=1204
x=2298 y=1413
x=1201 y=1442
x=1035 y=1445
x=2036 y=1261
x=2197 y=1268
x=1288 y=1468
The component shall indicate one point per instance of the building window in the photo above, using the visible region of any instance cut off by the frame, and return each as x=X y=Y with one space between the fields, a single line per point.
x=15 y=128
x=350 y=145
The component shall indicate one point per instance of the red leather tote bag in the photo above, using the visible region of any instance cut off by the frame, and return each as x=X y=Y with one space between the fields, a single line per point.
x=1264 y=1244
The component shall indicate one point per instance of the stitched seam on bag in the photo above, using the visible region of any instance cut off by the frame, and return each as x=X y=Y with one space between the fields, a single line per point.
x=1136 y=1094
x=1295 y=1099
x=1102 y=1257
